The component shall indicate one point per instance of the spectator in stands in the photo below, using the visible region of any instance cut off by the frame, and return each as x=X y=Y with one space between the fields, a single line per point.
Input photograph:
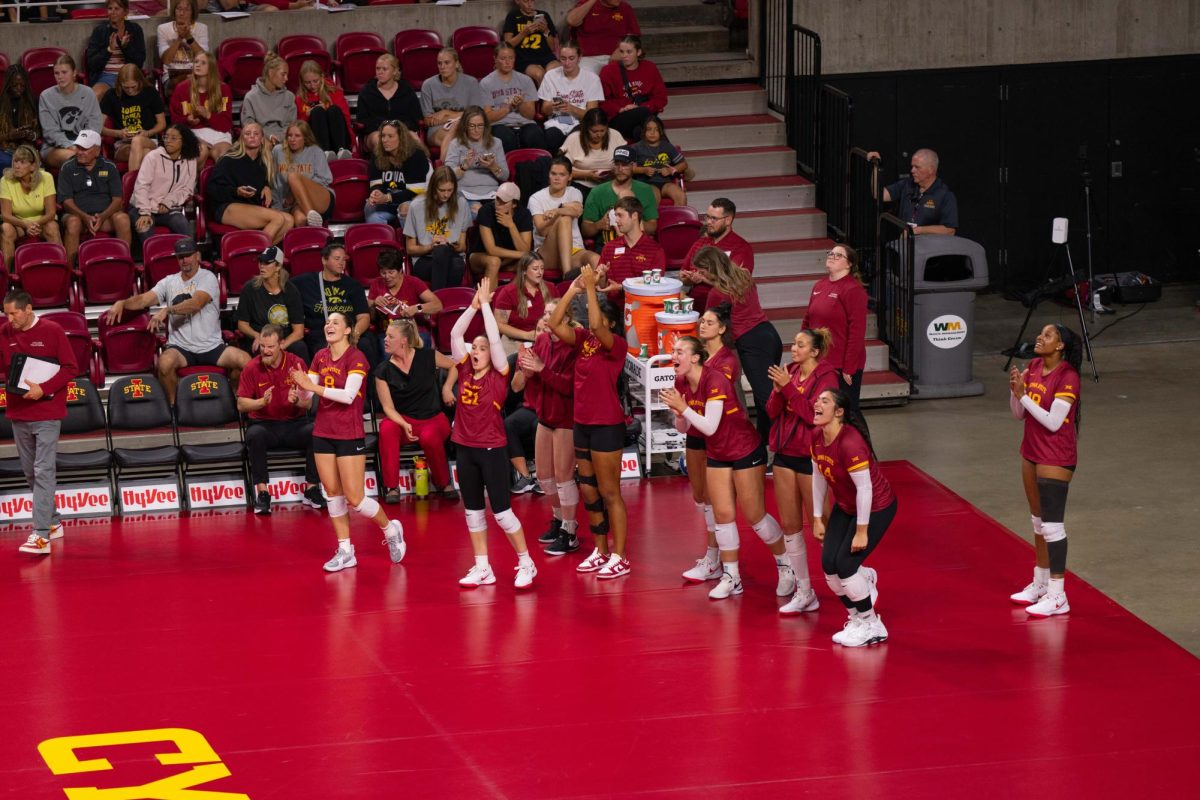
x=114 y=43
x=137 y=115
x=166 y=183
x=506 y=233
x=513 y=103
x=406 y=385
x=839 y=303
x=556 y=211
x=633 y=89
x=65 y=109
x=386 y=97
x=270 y=300
x=219 y=6
x=28 y=203
x=598 y=219
x=599 y=26
x=476 y=156
x=658 y=162
x=590 y=148
x=435 y=231
x=630 y=254
x=204 y=103
x=445 y=96
x=238 y=193
x=189 y=310
x=567 y=93
x=323 y=106
x=398 y=170
x=532 y=34
x=18 y=114
x=278 y=418
x=717 y=223
x=180 y=41
x=521 y=305
x=36 y=416
x=397 y=296
x=269 y=102
x=89 y=188
x=924 y=201
x=332 y=290
x=302 y=176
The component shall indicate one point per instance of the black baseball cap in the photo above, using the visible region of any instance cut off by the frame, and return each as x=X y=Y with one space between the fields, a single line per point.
x=622 y=155
x=185 y=246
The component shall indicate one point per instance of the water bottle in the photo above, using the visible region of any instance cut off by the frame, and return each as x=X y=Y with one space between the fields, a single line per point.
x=644 y=355
x=420 y=477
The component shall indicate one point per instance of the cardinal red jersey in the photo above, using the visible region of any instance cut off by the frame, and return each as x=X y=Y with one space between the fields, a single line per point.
x=791 y=408
x=726 y=361
x=410 y=292
x=551 y=392
x=631 y=260
x=747 y=313
x=731 y=244
x=840 y=306
x=478 y=415
x=848 y=453
x=596 y=373
x=339 y=420
x=257 y=377
x=1039 y=445
x=734 y=437
x=506 y=300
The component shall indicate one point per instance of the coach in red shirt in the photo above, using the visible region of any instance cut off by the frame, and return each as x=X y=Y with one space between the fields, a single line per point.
x=37 y=415
x=278 y=416
x=718 y=233
x=630 y=254
x=599 y=26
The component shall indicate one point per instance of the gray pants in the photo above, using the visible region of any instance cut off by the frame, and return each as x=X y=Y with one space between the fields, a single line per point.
x=36 y=446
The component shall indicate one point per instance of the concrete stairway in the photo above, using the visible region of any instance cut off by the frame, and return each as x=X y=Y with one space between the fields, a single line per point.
x=739 y=151
x=690 y=41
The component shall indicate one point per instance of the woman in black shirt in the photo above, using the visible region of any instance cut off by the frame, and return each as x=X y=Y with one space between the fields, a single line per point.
x=18 y=115
x=239 y=189
x=387 y=97
x=137 y=116
x=271 y=298
x=399 y=168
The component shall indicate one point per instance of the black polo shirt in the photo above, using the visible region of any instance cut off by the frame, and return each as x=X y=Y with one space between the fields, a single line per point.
x=937 y=206
x=92 y=190
x=500 y=233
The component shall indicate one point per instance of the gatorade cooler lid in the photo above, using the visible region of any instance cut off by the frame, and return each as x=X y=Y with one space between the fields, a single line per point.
x=684 y=318
x=667 y=287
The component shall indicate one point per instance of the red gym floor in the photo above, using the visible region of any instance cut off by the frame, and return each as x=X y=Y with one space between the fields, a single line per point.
x=391 y=682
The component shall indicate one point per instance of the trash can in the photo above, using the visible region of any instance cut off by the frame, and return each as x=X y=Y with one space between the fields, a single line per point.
x=947 y=271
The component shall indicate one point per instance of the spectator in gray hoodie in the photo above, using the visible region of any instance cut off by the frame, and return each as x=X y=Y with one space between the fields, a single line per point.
x=302 y=176
x=476 y=156
x=269 y=102
x=65 y=110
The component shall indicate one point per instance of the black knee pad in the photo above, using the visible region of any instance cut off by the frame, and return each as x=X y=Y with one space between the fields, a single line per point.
x=597 y=506
x=601 y=529
x=1052 y=494
x=586 y=480
x=583 y=455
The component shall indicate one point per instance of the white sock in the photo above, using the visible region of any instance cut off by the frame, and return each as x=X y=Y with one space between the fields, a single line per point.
x=867 y=616
x=1057 y=586
x=713 y=554
x=569 y=526
x=482 y=562
x=524 y=560
x=732 y=568
x=781 y=561
x=793 y=544
x=1041 y=576
x=345 y=546
x=558 y=513
x=710 y=519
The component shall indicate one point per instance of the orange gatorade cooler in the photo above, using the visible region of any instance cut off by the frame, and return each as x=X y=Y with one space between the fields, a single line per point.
x=642 y=301
x=672 y=326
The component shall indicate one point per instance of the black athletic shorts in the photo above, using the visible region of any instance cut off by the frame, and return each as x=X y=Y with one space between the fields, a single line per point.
x=800 y=464
x=1070 y=467
x=206 y=359
x=758 y=458
x=601 y=438
x=695 y=442
x=339 y=447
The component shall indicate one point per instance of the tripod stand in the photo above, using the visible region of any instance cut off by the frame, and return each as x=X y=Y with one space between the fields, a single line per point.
x=1054 y=286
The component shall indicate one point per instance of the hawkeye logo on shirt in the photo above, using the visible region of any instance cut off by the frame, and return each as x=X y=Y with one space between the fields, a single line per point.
x=590 y=347
x=439 y=227
x=335 y=300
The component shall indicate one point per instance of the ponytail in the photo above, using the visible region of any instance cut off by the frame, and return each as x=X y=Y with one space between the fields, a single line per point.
x=852 y=417
x=1073 y=355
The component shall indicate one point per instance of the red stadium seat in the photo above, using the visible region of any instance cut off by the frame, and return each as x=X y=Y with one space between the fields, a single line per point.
x=678 y=229
x=204 y=226
x=471 y=35
x=522 y=155
x=413 y=37
x=297 y=49
x=239 y=257
x=158 y=257
x=42 y=270
x=455 y=300
x=364 y=243
x=302 y=249
x=417 y=51
x=106 y=271
x=354 y=59
x=240 y=60
x=39 y=63
x=350 y=187
x=128 y=346
x=87 y=349
x=476 y=45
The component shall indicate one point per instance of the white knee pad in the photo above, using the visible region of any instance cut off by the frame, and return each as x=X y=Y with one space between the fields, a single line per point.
x=476 y=519
x=835 y=585
x=508 y=521
x=368 y=507
x=857 y=588
x=568 y=493
x=768 y=529
x=1054 y=531
x=337 y=506
x=1037 y=524
x=549 y=487
x=710 y=519
x=727 y=536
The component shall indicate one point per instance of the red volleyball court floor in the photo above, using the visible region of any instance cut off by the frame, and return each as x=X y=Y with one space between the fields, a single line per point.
x=391 y=682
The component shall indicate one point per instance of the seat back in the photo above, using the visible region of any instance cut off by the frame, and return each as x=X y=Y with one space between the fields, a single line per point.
x=302 y=249
x=477 y=59
x=521 y=155
x=229 y=49
x=474 y=35
x=205 y=400
x=85 y=413
x=41 y=57
x=158 y=257
x=107 y=270
x=678 y=229
x=75 y=326
x=364 y=243
x=418 y=63
x=244 y=71
x=455 y=300
x=351 y=187
x=298 y=48
x=239 y=254
x=415 y=37
x=138 y=403
x=43 y=271
x=356 y=40
x=128 y=346
x=357 y=67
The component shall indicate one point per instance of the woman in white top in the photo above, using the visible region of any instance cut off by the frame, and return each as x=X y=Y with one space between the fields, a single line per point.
x=556 y=211
x=180 y=40
x=590 y=148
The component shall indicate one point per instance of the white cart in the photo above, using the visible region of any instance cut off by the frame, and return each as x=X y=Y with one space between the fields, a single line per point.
x=646 y=380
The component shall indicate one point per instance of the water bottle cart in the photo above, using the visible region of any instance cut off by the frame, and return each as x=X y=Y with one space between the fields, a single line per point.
x=646 y=379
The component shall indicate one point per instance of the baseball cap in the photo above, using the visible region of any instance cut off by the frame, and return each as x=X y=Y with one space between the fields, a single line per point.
x=87 y=140
x=622 y=155
x=185 y=247
x=271 y=254
x=508 y=192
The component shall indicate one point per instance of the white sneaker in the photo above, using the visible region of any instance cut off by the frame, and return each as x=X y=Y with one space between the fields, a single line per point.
x=330 y=155
x=1048 y=606
x=342 y=559
x=525 y=576
x=615 y=567
x=851 y=624
x=343 y=154
x=787 y=581
x=56 y=531
x=800 y=603
x=1030 y=594
x=705 y=570
x=36 y=544
x=728 y=587
x=864 y=633
x=872 y=578
x=593 y=563
x=393 y=537
x=478 y=576
x=314 y=219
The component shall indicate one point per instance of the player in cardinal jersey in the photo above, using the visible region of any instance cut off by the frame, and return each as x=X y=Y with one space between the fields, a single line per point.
x=790 y=406
x=704 y=401
x=336 y=376
x=481 y=442
x=863 y=508
x=1046 y=396
x=599 y=422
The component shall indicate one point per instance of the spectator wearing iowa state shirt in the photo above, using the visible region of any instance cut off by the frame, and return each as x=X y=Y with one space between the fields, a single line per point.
x=633 y=89
x=330 y=290
x=717 y=224
x=399 y=169
x=599 y=26
x=37 y=413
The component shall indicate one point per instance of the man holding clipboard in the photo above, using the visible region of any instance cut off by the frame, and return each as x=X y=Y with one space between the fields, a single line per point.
x=36 y=408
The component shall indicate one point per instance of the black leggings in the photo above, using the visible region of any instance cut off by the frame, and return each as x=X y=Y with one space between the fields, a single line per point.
x=629 y=123
x=329 y=127
x=265 y=435
x=441 y=268
x=481 y=468
x=852 y=390
x=836 y=558
x=521 y=427
x=760 y=348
